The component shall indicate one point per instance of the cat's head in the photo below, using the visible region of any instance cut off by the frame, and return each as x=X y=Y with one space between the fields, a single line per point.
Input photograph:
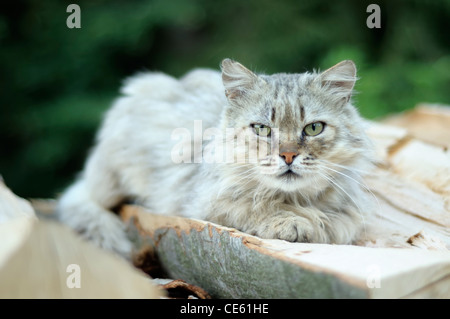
x=302 y=127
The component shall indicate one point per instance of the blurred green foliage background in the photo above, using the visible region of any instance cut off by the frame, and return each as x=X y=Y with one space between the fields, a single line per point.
x=56 y=82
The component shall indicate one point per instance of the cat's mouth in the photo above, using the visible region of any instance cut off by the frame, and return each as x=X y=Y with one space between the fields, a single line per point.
x=289 y=175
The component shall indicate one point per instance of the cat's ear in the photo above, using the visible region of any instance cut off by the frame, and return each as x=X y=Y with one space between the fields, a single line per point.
x=237 y=79
x=340 y=78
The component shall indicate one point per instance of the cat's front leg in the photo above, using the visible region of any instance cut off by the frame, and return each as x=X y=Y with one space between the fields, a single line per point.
x=291 y=227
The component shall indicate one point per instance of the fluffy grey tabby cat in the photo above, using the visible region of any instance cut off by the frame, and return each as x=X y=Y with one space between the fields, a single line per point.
x=297 y=148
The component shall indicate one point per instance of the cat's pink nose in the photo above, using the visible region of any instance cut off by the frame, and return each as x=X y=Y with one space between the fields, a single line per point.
x=288 y=157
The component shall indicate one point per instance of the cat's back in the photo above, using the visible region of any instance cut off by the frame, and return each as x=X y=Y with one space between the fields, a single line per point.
x=158 y=103
x=160 y=86
x=196 y=95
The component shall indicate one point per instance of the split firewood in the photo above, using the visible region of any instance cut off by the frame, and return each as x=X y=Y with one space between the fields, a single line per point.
x=231 y=264
x=412 y=180
x=43 y=259
x=403 y=252
x=427 y=122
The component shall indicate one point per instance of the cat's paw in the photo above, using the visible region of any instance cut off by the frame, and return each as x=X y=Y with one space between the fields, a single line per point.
x=110 y=236
x=292 y=228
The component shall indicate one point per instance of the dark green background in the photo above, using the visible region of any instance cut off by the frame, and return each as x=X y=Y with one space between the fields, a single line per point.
x=56 y=82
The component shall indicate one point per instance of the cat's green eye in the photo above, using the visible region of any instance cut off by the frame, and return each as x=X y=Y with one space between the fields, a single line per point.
x=261 y=129
x=314 y=129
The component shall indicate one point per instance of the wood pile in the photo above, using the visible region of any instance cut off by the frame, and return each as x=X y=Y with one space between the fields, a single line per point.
x=404 y=252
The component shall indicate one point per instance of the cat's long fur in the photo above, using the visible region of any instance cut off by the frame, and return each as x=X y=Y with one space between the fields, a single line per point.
x=140 y=137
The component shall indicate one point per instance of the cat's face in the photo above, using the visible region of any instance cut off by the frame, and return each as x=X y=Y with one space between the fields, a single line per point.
x=301 y=127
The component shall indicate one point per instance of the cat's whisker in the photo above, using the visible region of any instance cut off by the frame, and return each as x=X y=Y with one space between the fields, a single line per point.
x=349 y=168
x=334 y=182
x=242 y=176
x=345 y=175
x=362 y=184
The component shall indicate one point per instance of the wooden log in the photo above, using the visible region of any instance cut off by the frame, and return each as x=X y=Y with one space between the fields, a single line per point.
x=230 y=264
x=403 y=253
x=429 y=123
x=405 y=208
x=42 y=259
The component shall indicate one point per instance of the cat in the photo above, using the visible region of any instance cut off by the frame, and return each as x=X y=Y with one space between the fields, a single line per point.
x=298 y=149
